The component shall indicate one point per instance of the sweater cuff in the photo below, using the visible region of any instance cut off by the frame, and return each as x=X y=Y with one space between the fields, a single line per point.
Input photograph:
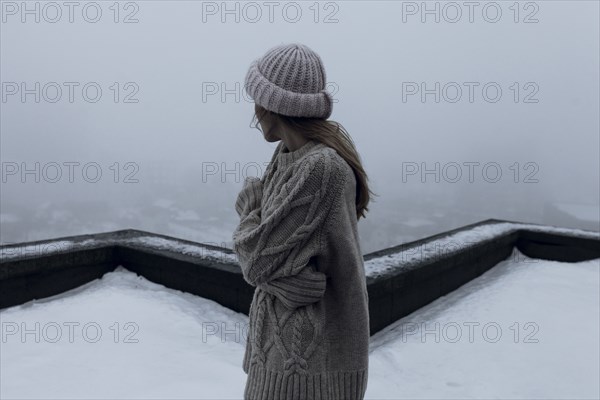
x=299 y=290
x=250 y=196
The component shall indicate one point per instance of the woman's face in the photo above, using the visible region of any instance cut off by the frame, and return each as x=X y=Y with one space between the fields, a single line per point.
x=266 y=124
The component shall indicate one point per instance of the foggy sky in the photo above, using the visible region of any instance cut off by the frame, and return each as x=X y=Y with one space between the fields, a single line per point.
x=173 y=57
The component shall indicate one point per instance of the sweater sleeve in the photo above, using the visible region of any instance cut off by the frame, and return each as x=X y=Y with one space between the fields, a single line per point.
x=272 y=249
x=250 y=197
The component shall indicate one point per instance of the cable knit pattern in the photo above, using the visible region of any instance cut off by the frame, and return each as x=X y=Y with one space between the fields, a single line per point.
x=297 y=243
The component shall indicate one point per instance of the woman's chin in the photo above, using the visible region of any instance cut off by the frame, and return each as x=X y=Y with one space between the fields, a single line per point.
x=271 y=138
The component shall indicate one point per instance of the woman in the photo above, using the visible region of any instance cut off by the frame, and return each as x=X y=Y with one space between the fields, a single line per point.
x=297 y=240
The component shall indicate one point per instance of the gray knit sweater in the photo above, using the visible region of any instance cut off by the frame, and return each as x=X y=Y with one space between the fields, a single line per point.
x=298 y=244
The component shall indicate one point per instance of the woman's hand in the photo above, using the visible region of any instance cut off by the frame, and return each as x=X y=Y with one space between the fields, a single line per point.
x=250 y=197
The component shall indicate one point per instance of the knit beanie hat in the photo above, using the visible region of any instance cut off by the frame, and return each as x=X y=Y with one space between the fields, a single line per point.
x=290 y=80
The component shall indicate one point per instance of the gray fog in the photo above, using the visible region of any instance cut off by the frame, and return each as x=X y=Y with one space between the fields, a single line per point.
x=133 y=114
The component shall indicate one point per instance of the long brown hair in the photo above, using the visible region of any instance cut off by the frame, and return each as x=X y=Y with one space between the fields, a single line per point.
x=332 y=134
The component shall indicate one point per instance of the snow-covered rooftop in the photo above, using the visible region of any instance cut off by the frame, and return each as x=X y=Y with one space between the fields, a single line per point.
x=534 y=334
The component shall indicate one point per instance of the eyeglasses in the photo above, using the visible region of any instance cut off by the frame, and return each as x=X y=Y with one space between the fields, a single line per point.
x=255 y=122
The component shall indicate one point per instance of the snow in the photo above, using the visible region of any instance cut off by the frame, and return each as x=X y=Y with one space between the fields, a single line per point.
x=182 y=350
x=41 y=249
x=175 y=354
x=204 y=233
x=153 y=242
x=183 y=248
x=458 y=241
x=373 y=267
x=547 y=314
